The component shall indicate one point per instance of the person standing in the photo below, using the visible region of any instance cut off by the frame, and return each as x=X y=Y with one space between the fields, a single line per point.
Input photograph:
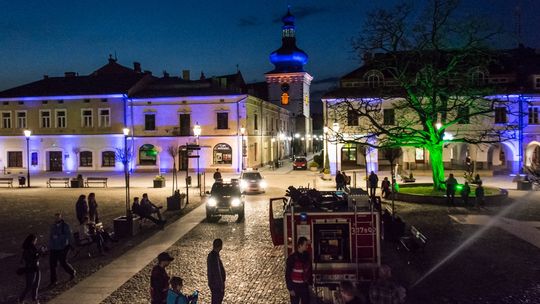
x=298 y=273
x=479 y=193
x=60 y=242
x=373 y=183
x=159 y=279
x=465 y=193
x=81 y=208
x=385 y=188
x=92 y=208
x=451 y=184
x=216 y=272
x=340 y=181
x=217 y=175
x=469 y=164
x=31 y=255
x=384 y=290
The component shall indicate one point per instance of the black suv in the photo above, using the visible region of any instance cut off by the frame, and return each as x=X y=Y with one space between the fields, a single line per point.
x=225 y=198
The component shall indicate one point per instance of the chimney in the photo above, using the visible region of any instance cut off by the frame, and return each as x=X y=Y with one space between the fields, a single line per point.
x=45 y=76
x=137 y=66
x=165 y=74
x=70 y=74
x=185 y=74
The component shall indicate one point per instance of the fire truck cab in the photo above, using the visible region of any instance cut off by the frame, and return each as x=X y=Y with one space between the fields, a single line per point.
x=343 y=230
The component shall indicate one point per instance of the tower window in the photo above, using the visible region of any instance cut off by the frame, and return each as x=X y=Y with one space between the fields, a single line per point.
x=284 y=99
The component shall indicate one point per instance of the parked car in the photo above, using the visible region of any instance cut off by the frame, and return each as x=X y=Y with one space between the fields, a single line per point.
x=300 y=163
x=252 y=181
x=225 y=198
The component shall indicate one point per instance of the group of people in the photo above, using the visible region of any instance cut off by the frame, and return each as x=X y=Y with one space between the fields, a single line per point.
x=342 y=180
x=451 y=187
x=146 y=210
x=298 y=278
x=168 y=290
x=90 y=228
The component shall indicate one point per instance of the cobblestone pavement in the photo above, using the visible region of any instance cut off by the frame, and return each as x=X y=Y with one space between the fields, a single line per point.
x=255 y=268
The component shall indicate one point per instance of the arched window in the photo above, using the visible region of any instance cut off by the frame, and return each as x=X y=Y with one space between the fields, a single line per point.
x=108 y=158
x=374 y=78
x=147 y=155
x=85 y=159
x=222 y=154
x=478 y=75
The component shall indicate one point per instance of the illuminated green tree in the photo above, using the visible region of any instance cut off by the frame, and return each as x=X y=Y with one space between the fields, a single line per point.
x=430 y=66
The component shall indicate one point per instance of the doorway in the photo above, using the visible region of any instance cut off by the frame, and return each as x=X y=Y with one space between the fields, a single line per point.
x=55 y=161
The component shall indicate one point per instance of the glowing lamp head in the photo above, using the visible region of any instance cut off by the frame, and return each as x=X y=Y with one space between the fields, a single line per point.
x=326 y=129
x=281 y=136
x=297 y=135
x=197 y=129
x=438 y=125
x=242 y=130
x=335 y=127
x=125 y=131
x=27 y=133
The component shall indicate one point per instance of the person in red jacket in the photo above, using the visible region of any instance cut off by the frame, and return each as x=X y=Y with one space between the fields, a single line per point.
x=159 y=280
x=298 y=274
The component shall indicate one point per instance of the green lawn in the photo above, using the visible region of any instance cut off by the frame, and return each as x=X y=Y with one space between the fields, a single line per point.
x=428 y=190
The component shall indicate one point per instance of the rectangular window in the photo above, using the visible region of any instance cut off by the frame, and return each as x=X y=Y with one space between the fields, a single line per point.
x=463 y=113
x=45 y=118
x=108 y=159
x=104 y=118
x=85 y=159
x=61 y=121
x=185 y=124
x=389 y=117
x=34 y=158
x=352 y=118
x=500 y=115
x=222 y=121
x=255 y=151
x=150 y=122
x=21 y=119
x=87 y=120
x=6 y=120
x=15 y=159
x=255 y=122
x=419 y=155
x=533 y=115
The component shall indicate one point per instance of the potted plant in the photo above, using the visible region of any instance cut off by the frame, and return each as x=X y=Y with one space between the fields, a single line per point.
x=177 y=201
x=159 y=181
x=326 y=174
x=313 y=166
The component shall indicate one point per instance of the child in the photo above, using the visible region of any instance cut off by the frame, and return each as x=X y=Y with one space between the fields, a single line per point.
x=175 y=295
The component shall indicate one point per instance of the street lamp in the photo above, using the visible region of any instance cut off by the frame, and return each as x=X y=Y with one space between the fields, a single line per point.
x=197 y=132
x=242 y=132
x=125 y=160
x=335 y=128
x=27 y=134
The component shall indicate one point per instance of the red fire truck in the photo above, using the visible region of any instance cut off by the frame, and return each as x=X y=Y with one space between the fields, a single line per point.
x=343 y=230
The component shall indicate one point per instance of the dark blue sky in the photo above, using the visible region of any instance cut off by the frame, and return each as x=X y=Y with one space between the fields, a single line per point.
x=52 y=37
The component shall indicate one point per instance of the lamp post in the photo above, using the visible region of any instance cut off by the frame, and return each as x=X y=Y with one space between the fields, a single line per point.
x=27 y=134
x=325 y=131
x=197 y=132
x=125 y=160
x=335 y=128
x=242 y=132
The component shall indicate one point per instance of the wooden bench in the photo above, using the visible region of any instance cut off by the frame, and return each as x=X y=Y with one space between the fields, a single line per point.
x=413 y=242
x=58 y=180
x=7 y=180
x=96 y=180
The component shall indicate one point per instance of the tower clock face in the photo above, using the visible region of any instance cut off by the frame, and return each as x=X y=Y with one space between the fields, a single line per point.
x=285 y=87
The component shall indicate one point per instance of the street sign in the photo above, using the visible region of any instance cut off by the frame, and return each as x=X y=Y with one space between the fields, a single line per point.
x=193 y=147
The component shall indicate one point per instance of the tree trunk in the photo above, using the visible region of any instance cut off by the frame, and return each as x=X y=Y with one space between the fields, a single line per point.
x=437 y=166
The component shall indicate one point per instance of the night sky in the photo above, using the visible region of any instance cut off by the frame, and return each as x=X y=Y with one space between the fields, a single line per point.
x=52 y=37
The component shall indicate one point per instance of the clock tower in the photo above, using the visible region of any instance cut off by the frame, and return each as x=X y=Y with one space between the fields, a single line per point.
x=288 y=83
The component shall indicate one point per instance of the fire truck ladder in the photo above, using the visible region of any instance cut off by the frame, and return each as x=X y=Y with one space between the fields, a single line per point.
x=372 y=232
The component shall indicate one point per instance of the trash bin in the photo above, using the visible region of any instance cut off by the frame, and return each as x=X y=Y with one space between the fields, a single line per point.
x=524 y=185
x=188 y=180
x=22 y=181
x=177 y=201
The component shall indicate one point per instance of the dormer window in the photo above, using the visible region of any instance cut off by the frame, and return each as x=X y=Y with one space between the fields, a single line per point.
x=374 y=79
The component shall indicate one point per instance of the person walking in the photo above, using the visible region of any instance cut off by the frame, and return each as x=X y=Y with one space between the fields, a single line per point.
x=340 y=181
x=31 y=255
x=451 y=184
x=81 y=208
x=159 y=279
x=217 y=175
x=465 y=193
x=385 y=188
x=60 y=242
x=92 y=208
x=373 y=183
x=384 y=290
x=216 y=272
x=298 y=275
x=479 y=193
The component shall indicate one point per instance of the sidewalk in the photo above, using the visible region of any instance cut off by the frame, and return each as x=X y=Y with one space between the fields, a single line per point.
x=104 y=282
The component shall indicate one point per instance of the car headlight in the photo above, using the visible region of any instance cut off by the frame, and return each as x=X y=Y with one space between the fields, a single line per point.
x=243 y=184
x=212 y=202
x=236 y=202
x=263 y=184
